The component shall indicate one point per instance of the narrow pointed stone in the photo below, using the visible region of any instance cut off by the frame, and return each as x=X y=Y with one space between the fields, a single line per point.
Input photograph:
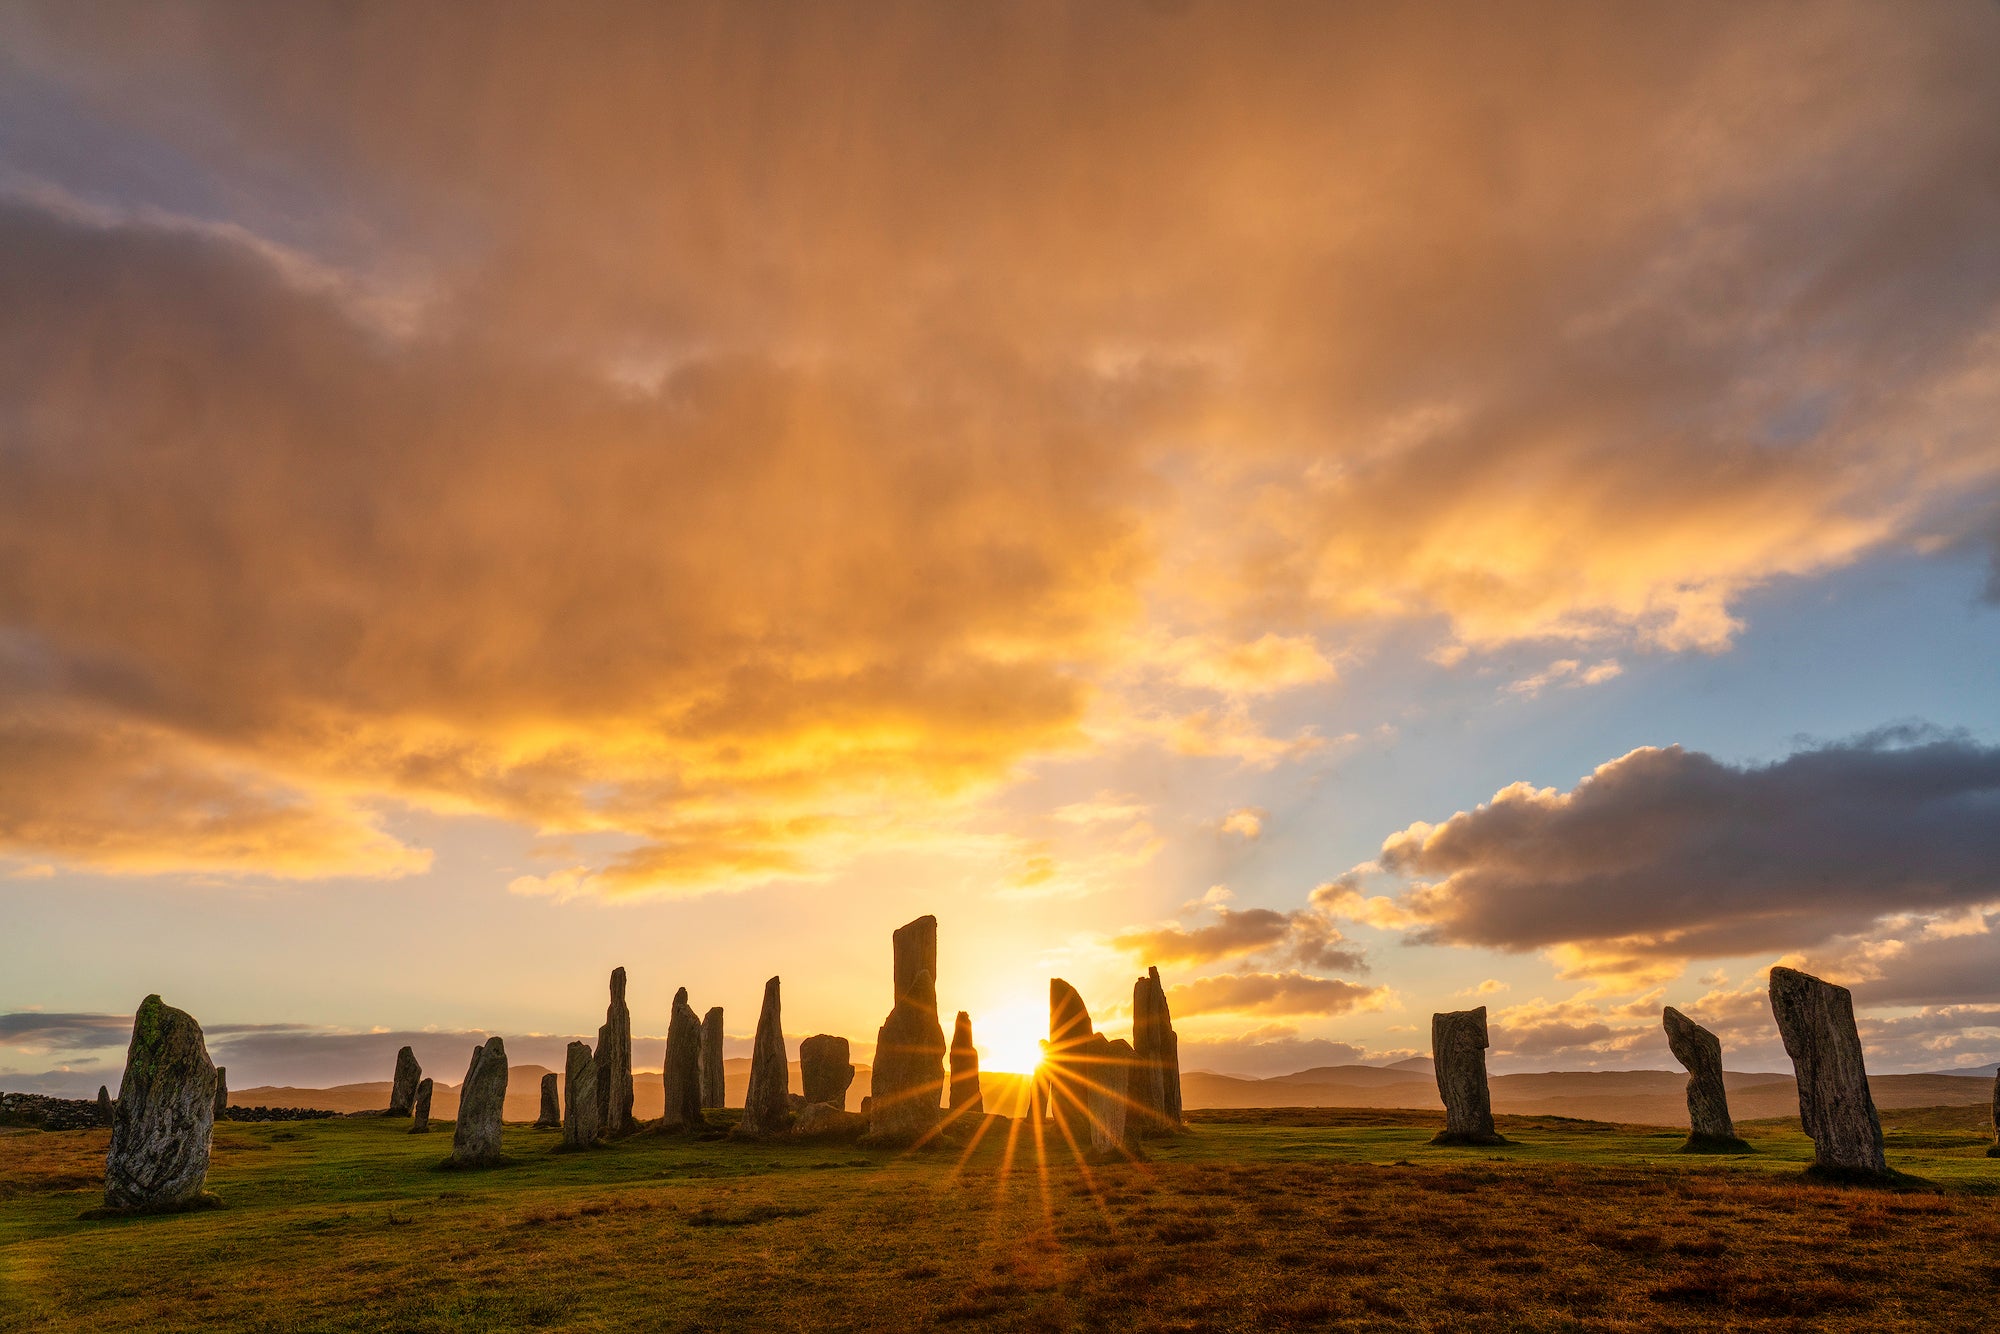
x=680 y=1073
x=579 y=1097
x=550 y=1115
x=825 y=1072
x=1816 y=1020
x=614 y=1062
x=403 y=1091
x=103 y=1105
x=966 y=1098
x=1710 y=1129
x=713 y=1088
x=1156 y=1068
x=1458 y=1050
x=165 y=1118
x=222 y=1093
x=475 y=1137
x=766 y=1109
x=420 y=1109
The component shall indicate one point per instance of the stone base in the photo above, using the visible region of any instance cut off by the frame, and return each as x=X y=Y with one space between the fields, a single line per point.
x=205 y=1200
x=1714 y=1144
x=418 y=1130
x=904 y=1139
x=473 y=1165
x=1102 y=1158
x=1861 y=1176
x=824 y=1123
x=1449 y=1140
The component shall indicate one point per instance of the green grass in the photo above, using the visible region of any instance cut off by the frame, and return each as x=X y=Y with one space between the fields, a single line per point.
x=1303 y=1219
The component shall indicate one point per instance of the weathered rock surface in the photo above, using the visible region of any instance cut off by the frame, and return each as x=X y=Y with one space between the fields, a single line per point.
x=823 y=1121
x=1108 y=1066
x=1063 y=1071
x=221 y=1092
x=475 y=1138
x=420 y=1109
x=1710 y=1129
x=579 y=1097
x=1458 y=1050
x=614 y=1062
x=966 y=1098
x=1156 y=1059
x=913 y=947
x=764 y=1105
x=681 y=1071
x=907 y=1085
x=550 y=1115
x=104 y=1105
x=1816 y=1020
x=1993 y=1152
x=165 y=1116
x=403 y=1091
x=711 y=1058
x=825 y=1071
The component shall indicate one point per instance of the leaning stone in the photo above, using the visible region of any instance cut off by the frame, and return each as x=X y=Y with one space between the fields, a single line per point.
x=1816 y=1020
x=1709 y=1128
x=579 y=1097
x=966 y=1099
x=825 y=1071
x=475 y=1138
x=550 y=1115
x=713 y=1088
x=764 y=1107
x=403 y=1092
x=222 y=1093
x=824 y=1121
x=1458 y=1050
x=907 y=1086
x=614 y=1062
x=681 y=1071
x=1156 y=1068
x=1107 y=1066
x=103 y=1105
x=165 y=1116
x=420 y=1109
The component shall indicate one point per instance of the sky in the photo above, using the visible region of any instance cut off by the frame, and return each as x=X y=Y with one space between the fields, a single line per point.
x=1370 y=509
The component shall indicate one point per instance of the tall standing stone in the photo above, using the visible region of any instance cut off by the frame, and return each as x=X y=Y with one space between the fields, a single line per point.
x=403 y=1092
x=614 y=1062
x=824 y=1070
x=712 y=1087
x=103 y=1105
x=681 y=1071
x=1458 y=1050
x=966 y=1098
x=550 y=1115
x=766 y=1105
x=1993 y=1152
x=1156 y=1061
x=165 y=1117
x=579 y=1097
x=1108 y=1066
x=913 y=946
x=906 y=1087
x=603 y=1085
x=1816 y=1020
x=1063 y=1067
x=475 y=1138
x=222 y=1093
x=420 y=1109
x=1709 y=1128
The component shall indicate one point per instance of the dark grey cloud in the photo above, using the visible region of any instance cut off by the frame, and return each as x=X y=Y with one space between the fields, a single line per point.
x=64 y=1032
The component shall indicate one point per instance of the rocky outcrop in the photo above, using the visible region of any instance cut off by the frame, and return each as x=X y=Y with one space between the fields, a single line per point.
x=420 y=1109
x=614 y=1063
x=824 y=1070
x=711 y=1058
x=549 y=1117
x=579 y=1097
x=1816 y=1020
x=104 y=1105
x=1458 y=1050
x=1709 y=1128
x=222 y=1093
x=475 y=1137
x=765 y=1107
x=1156 y=1059
x=681 y=1071
x=1065 y=1076
x=966 y=1099
x=403 y=1090
x=165 y=1117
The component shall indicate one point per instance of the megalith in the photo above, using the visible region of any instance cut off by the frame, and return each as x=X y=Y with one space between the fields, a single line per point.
x=913 y=946
x=222 y=1093
x=1156 y=1061
x=614 y=1063
x=1709 y=1128
x=475 y=1138
x=907 y=1085
x=681 y=1071
x=767 y=1104
x=1458 y=1050
x=1064 y=1073
x=103 y=1105
x=1993 y=1152
x=1816 y=1020
x=579 y=1097
x=550 y=1115
x=403 y=1091
x=1107 y=1066
x=420 y=1109
x=825 y=1071
x=712 y=1088
x=966 y=1098
x=165 y=1116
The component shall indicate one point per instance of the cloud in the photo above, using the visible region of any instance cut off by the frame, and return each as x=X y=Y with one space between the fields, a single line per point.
x=1272 y=1049
x=1245 y=822
x=33 y=1030
x=1568 y=672
x=1288 y=993
x=1307 y=936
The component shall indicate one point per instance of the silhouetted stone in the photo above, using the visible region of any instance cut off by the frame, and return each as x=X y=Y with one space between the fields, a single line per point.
x=165 y=1116
x=825 y=1071
x=1156 y=1059
x=681 y=1072
x=907 y=1085
x=1993 y=1152
x=1709 y=1128
x=1107 y=1068
x=614 y=1063
x=222 y=1093
x=823 y=1121
x=1458 y=1050
x=711 y=1058
x=475 y=1137
x=914 y=949
x=765 y=1111
x=1063 y=1077
x=103 y=1105
x=966 y=1098
x=420 y=1109
x=579 y=1097
x=550 y=1115
x=403 y=1091
x=1816 y=1020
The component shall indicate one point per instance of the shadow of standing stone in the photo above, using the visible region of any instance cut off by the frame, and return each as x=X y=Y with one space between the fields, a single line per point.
x=1710 y=1129
x=1458 y=1050
x=164 y=1119
x=475 y=1137
x=1816 y=1020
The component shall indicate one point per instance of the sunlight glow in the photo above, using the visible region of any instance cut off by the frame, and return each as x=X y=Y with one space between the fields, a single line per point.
x=1009 y=1038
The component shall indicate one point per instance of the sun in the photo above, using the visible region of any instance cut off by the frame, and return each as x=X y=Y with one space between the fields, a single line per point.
x=1009 y=1038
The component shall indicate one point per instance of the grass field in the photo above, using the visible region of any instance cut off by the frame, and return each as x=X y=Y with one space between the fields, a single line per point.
x=1300 y=1219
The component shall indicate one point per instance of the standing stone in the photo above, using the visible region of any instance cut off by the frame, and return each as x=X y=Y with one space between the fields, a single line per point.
x=1156 y=1068
x=907 y=1085
x=603 y=1085
x=614 y=1062
x=475 y=1139
x=1108 y=1066
x=966 y=1099
x=222 y=1093
x=914 y=947
x=403 y=1092
x=550 y=1116
x=1816 y=1020
x=579 y=1097
x=1063 y=1067
x=825 y=1071
x=165 y=1117
x=1709 y=1128
x=681 y=1072
x=420 y=1109
x=1458 y=1050
x=767 y=1103
x=103 y=1105
x=1993 y=1152
x=711 y=1058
